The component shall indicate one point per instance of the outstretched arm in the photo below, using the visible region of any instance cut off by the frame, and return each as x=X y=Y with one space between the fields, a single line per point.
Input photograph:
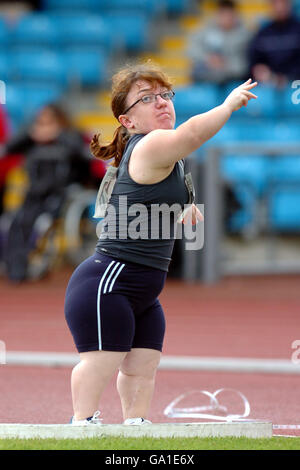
x=163 y=148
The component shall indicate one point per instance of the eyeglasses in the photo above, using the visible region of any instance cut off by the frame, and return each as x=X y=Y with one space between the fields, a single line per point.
x=166 y=95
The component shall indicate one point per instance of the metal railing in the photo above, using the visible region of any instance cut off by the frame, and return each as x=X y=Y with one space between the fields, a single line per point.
x=209 y=263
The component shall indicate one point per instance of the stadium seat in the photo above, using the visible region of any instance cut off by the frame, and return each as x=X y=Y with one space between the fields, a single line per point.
x=244 y=131
x=284 y=209
x=296 y=8
x=5 y=34
x=85 y=67
x=284 y=169
x=290 y=100
x=36 y=29
x=228 y=134
x=70 y=5
x=286 y=131
x=252 y=129
x=39 y=65
x=24 y=100
x=195 y=99
x=144 y=7
x=39 y=94
x=248 y=169
x=177 y=7
x=4 y=65
x=267 y=105
x=130 y=30
x=83 y=30
x=247 y=176
x=14 y=104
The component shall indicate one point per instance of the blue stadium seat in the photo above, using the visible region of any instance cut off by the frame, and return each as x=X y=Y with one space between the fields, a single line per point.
x=290 y=100
x=131 y=30
x=266 y=105
x=36 y=29
x=14 y=104
x=284 y=169
x=4 y=65
x=228 y=134
x=86 y=67
x=296 y=7
x=144 y=7
x=244 y=131
x=39 y=65
x=247 y=176
x=23 y=101
x=284 y=209
x=38 y=95
x=177 y=7
x=286 y=130
x=253 y=129
x=249 y=169
x=265 y=130
x=5 y=34
x=195 y=99
x=84 y=30
x=71 y=5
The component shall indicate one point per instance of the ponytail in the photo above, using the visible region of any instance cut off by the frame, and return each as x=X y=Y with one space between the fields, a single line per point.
x=113 y=150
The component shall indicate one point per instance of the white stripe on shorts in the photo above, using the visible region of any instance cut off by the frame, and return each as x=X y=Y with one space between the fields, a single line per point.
x=114 y=279
x=103 y=278
x=110 y=276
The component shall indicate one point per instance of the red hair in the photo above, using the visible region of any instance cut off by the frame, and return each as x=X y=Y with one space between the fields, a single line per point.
x=122 y=82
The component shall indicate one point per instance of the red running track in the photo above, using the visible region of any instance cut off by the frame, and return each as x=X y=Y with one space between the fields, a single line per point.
x=255 y=317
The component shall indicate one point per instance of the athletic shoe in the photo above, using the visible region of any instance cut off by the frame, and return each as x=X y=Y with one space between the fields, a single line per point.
x=136 y=422
x=85 y=422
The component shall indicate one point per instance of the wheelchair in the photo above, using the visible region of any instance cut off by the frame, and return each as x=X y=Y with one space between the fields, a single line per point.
x=55 y=238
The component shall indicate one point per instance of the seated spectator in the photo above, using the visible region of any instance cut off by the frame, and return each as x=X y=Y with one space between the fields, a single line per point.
x=3 y=163
x=274 y=53
x=56 y=155
x=218 y=50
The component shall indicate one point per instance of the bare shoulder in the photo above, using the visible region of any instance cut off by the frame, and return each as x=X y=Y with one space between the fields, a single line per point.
x=158 y=149
x=146 y=165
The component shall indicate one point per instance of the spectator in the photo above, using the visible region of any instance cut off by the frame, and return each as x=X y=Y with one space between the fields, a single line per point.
x=3 y=163
x=218 y=51
x=274 y=53
x=55 y=156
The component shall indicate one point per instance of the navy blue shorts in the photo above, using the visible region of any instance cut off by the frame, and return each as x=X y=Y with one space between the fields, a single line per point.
x=112 y=305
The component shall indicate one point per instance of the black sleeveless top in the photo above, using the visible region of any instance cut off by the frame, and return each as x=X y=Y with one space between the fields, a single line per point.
x=141 y=219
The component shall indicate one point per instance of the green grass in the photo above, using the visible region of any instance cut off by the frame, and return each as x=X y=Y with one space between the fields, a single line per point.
x=115 y=443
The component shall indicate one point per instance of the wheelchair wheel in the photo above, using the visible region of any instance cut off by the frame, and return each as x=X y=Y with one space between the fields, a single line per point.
x=80 y=227
x=46 y=247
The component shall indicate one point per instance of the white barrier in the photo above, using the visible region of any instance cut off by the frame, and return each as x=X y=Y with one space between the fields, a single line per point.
x=66 y=431
x=223 y=364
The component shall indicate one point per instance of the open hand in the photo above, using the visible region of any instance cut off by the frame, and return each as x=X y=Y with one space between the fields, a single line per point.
x=241 y=95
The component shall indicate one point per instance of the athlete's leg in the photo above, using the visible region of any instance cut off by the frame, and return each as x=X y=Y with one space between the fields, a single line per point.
x=103 y=337
x=136 y=380
x=89 y=378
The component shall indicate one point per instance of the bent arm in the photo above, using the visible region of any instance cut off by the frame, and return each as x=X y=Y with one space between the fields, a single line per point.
x=163 y=148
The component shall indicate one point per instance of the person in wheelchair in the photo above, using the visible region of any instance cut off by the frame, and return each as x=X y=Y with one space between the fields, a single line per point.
x=56 y=156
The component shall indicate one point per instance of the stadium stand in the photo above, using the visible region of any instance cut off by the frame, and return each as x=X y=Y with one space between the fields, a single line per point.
x=44 y=53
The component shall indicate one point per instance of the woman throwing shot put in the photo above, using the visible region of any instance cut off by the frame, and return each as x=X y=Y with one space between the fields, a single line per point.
x=111 y=305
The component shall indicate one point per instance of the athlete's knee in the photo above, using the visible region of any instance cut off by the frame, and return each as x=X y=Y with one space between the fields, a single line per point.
x=142 y=363
x=102 y=362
